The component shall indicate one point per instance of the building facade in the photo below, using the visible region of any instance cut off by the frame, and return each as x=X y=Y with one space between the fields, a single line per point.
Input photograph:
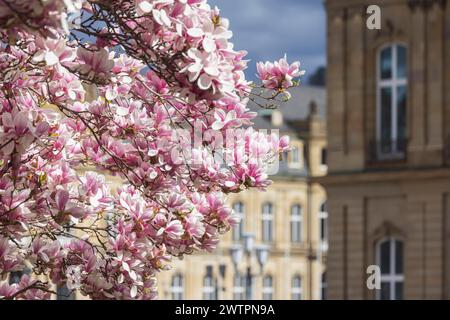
x=289 y=220
x=388 y=180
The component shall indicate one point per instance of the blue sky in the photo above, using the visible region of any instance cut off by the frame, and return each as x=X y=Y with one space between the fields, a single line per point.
x=268 y=29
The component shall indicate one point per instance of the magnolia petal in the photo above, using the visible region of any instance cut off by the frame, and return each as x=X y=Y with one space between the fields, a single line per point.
x=204 y=82
x=209 y=44
x=195 y=32
x=51 y=59
x=144 y=7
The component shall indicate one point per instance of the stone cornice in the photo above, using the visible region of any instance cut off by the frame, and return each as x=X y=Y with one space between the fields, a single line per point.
x=358 y=177
x=425 y=4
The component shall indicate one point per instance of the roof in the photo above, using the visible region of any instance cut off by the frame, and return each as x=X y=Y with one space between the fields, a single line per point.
x=297 y=108
x=294 y=111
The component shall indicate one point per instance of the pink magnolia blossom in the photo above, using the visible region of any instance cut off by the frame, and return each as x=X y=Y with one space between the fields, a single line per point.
x=94 y=62
x=279 y=74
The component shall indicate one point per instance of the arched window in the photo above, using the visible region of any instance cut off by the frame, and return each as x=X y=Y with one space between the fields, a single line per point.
x=389 y=257
x=209 y=288
x=239 y=287
x=323 y=286
x=267 y=288
x=177 y=287
x=323 y=226
x=267 y=222
x=238 y=230
x=392 y=92
x=296 y=290
x=296 y=223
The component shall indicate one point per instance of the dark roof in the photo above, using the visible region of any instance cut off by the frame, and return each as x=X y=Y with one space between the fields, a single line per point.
x=295 y=110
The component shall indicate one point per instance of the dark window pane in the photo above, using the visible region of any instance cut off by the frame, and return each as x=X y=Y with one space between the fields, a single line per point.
x=401 y=116
x=323 y=160
x=296 y=282
x=324 y=286
x=386 y=119
x=399 y=291
x=401 y=62
x=386 y=64
x=63 y=293
x=323 y=229
x=385 y=256
x=177 y=281
x=385 y=292
x=398 y=257
x=209 y=271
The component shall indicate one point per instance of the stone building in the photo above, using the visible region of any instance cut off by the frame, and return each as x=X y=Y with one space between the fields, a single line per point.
x=388 y=180
x=289 y=220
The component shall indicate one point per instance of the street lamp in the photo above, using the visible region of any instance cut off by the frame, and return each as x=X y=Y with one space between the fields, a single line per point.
x=248 y=247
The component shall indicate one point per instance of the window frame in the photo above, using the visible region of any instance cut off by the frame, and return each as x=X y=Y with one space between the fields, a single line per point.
x=296 y=220
x=299 y=162
x=324 y=158
x=323 y=285
x=177 y=289
x=239 y=229
x=209 y=291
x=393 y=83
x=268 y=291
x=267 y=220
x=239 y=286
x=392 y=278
x=323 y=218
x=297 y=291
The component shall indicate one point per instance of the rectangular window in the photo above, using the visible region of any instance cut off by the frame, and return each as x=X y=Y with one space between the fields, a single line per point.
x=323 y=158
x=296 y=223
x=267 y=222
x=386 y=120
x=177 y=288
x=390 y=260
x=392 y=93
x=295 y=159
x=239 y=287
x=238 y=230
x=267 y=288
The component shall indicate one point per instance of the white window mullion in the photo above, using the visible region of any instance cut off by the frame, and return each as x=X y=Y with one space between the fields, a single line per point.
x=394 y=100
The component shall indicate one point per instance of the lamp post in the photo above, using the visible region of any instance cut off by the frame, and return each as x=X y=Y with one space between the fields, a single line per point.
x=248 y=248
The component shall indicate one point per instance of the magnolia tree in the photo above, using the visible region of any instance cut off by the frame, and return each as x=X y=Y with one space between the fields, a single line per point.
x=148 y=91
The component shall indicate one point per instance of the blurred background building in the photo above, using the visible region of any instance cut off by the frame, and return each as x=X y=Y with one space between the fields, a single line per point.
x=279 y=249
x=388 y=180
